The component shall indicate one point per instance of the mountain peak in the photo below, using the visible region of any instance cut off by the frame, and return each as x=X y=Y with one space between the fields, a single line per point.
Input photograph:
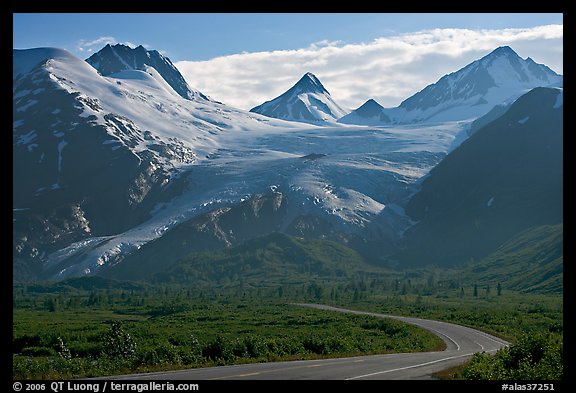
x=371 y=103
x=500 y=76
x=369 y=113
x=309 y=83
x=119 y=57
x=307 y=101
x=503 y=50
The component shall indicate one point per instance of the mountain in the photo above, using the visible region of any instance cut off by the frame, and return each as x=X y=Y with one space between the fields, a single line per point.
x=93 y=155
x=111 y=60
x=104 y=165
x=215 y=230
x=120 y=175
x=499 y=77
x=274 y=259
x=489 y=117
x=505 y=178
x=307 y=101
x=531 y=261
x=369 y=114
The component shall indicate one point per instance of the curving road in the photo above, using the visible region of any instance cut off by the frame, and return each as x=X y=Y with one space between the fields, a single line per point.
x=461 y=343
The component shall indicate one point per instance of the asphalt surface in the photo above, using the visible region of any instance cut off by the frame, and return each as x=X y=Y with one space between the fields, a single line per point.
x=461 y=343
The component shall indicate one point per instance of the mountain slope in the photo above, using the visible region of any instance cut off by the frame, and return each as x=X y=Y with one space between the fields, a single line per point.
x=369 y=114
x=93 y=155
x=505 y=178
x=531 y=261
x=111 y=60
x=307 y=101
x=218 y=229
x=497 y=78
x=273 y=259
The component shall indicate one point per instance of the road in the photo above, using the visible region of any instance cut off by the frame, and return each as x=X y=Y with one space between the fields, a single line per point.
x=461 y=343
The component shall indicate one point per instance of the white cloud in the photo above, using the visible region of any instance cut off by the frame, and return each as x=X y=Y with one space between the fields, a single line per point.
x=90 y=46
x=388 y=69
x=98 y=43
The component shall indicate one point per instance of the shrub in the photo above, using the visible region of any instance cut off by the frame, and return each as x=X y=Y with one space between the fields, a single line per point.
x=118 y=344
x=533 y=357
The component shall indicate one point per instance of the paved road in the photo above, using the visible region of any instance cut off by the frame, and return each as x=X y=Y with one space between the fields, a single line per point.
x=461 y=343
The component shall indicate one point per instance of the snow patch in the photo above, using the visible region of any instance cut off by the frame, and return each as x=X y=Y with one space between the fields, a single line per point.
x=61 y=147
x=559 y=100
x=27 y=138
x=524 y=120
x=25 y=107
x=21 y=94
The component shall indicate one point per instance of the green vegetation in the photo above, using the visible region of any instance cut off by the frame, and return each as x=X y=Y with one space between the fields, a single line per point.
x=533 y=357
x=508 y=316
x=232 y=306
x=158 y=329
x=275 y=258
x=531 y=261
x=536 y=357
x=532 y=323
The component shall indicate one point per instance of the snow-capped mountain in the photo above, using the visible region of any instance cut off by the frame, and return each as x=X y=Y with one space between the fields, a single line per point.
x=504 y=179
x=497 y=78
x=111 y=60
x=307 y=101
x=93 y=155
x=369 y=114
x=117 y=169
x=106 y=165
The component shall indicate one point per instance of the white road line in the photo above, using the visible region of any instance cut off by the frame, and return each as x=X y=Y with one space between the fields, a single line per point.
x=492 y=338
x=477 y=343
x=408 y=367
x=439 y=333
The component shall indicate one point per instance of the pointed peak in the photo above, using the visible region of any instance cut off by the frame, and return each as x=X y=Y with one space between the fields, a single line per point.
x=503 y=51
x=119 y=57
x=311 y=84
x=371 y=103
x=369 y=109
x=310 y=75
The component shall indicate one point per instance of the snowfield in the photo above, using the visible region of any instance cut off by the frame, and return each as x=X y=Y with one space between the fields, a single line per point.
x=364 y=173
x=351 y=176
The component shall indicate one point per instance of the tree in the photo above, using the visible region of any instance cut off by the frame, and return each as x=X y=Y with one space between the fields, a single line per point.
x=356 y=295
x=52 y=304
x=461 y=292
x=118 y=343
x=499 y=289
x=63 y=350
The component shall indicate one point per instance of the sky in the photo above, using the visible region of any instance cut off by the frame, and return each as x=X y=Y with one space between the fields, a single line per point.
x=246 y=59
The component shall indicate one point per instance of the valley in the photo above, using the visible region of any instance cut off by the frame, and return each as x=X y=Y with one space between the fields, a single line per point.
x=176 y=327
x=156 y=228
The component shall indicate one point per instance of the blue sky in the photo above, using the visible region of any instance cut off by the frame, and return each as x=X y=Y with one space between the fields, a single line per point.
x=224 y=55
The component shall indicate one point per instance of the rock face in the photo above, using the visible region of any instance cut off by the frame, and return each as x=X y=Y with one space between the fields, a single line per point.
x=307 y=101
x=121 y=175
x=220 y=228
x=507 y=177
x=111 y=60
x=71 y=179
